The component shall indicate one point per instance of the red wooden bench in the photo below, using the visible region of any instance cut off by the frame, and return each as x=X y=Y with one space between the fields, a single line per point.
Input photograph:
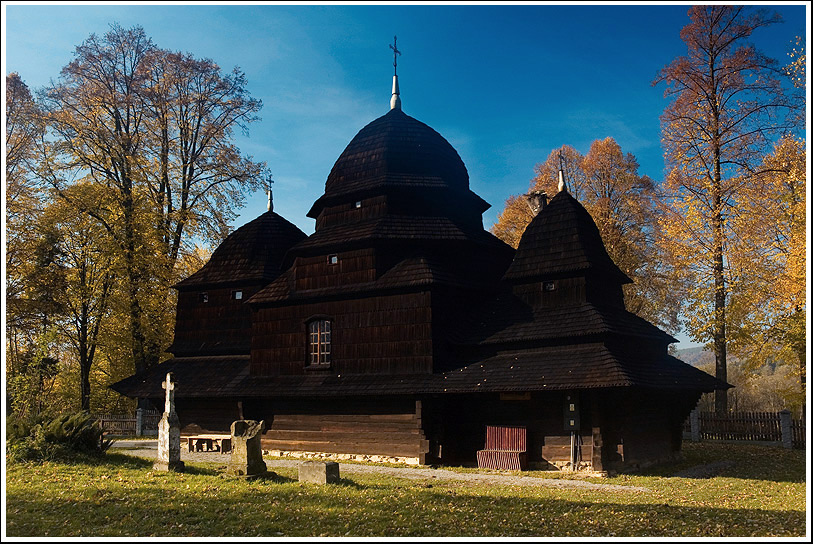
x=506 y=448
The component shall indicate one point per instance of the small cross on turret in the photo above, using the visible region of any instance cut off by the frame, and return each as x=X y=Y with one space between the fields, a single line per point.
x=268 y=192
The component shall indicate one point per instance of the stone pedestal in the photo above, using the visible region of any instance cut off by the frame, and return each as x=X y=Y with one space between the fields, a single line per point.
x=246 y=450
x=169 y=444
x=319 y=472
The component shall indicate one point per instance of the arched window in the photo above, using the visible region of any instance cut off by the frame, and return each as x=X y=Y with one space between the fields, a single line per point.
x=319 y=342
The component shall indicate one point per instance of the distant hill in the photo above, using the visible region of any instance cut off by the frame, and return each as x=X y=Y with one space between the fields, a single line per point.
x=701 y=356
x=695 y=356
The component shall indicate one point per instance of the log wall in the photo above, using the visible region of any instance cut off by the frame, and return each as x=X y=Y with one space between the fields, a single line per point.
x=377 y=335
x=221 y=325
x=380 y=426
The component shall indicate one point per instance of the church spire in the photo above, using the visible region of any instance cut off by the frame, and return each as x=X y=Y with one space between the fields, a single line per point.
x=395 y=101
x=270 y=182
x=562 y=184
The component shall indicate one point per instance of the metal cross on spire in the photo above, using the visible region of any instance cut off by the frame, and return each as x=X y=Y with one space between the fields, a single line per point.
x=270 y=182
x=395 y=100
x=395 y=53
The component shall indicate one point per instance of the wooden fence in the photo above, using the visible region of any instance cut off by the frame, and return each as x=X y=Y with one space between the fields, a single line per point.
x=746 y=426
x=127 y=425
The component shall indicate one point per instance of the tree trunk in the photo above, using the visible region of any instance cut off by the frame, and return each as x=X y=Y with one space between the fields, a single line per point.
x=719 y=329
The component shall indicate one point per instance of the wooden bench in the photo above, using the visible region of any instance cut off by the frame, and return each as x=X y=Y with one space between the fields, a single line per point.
x=208 y=442
x=506 y=448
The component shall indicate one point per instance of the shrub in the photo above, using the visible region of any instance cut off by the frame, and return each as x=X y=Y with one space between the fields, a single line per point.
x=61 y=438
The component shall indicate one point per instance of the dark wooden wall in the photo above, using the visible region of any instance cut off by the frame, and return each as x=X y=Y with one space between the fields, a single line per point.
x=571 y=290
x=220 y=326
x=207 y=415
x=346 y=212
x=619 y=430
x=390 y=426
x=388 y=334
x=353 y=267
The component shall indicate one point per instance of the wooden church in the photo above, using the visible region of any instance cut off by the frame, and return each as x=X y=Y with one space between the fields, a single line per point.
x=402 y=330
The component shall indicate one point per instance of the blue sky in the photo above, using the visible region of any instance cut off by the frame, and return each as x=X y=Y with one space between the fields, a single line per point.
x=505 y=84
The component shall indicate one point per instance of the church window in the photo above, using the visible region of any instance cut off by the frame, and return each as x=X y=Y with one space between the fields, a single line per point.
x=237 y=295
x=319 y=342
x=204 y=297
x=358 y=203
x=333 y=259
x=549 y=286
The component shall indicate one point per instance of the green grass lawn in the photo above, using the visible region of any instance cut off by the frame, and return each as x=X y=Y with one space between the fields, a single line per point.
x=762 y=494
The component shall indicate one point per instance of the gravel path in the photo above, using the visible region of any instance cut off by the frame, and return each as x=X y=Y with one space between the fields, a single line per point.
x=148 y=448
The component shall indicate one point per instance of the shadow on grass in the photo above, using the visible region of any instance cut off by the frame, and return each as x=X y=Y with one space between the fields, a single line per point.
x=352 y=510
x=742 y=461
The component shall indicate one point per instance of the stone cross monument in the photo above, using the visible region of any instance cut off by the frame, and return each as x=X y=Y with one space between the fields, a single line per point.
x=169 y=433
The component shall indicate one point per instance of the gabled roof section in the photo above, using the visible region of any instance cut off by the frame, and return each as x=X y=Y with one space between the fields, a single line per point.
x=508 y=320
x=252 y=253
x=585 y=366
x=561 y=239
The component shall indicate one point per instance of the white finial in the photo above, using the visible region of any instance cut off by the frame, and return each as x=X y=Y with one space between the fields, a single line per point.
x=395 y=101
x=562 y=186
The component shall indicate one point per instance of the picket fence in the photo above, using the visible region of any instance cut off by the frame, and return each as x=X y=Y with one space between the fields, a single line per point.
x=746 y=426
x=127 y=424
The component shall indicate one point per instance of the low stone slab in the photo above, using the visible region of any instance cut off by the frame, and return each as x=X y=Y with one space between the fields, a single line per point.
x=319 y=472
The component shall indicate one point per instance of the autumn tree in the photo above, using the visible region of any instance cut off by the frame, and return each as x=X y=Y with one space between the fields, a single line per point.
x=769 y=223
x=725 y=98
x=89 y=273
x=98 y=117
x=155 y=130
x=32 y=276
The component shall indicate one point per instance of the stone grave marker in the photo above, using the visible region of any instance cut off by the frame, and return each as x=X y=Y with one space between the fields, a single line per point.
x=169 y=432
x=319 y=472
x=246 y=449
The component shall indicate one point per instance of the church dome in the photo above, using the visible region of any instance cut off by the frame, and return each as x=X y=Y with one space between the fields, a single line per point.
x=396 y=150
x=254 y=253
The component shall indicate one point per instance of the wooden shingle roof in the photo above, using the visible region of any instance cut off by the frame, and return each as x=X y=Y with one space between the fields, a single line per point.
x=506 y=319
x=556 y=368
x=253 y=253
x=395 y=149
x=562 y=238
x=397 y=227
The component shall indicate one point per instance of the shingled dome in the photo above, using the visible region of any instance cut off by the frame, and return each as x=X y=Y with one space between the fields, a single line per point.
x=396 y=149
x=561 y=239
x=254 y=252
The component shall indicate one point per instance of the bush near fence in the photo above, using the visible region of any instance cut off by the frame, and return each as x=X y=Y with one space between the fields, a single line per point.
x=125 y=424
x=746 y=426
